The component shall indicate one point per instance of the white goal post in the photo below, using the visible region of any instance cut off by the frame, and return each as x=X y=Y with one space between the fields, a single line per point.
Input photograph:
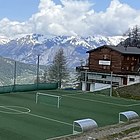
x=48 y=99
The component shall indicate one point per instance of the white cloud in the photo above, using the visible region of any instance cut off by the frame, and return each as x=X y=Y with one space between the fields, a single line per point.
x=115 y=20
x=45 y=4
x=56 y=29
x=11 y=28
x=74 y=17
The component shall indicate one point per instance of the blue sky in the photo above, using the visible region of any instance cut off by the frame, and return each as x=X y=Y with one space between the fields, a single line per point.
x=18 y=9
x=22 y=10
x=68 y=17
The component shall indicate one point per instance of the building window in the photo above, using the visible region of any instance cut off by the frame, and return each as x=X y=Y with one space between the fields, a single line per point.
x=132 y=63
x=105 y=56
x=131 y=79
x=104 y=67
x=132 y=68
x=133 y=58
x=128 y=58
x=127 y=68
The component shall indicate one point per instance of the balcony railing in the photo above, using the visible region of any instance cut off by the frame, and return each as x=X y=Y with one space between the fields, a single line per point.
x=82 y=68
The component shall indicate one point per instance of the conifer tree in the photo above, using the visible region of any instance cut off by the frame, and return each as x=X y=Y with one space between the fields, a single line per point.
x=133 y=39
x=58 y=71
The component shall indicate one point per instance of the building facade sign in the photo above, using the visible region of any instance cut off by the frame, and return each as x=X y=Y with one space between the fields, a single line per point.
x=104 y=62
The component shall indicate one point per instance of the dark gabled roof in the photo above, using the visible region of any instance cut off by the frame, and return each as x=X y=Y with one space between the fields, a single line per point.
x=121 y=49
x=97 y=48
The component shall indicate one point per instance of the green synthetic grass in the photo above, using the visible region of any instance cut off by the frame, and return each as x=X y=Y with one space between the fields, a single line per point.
x=21 y=118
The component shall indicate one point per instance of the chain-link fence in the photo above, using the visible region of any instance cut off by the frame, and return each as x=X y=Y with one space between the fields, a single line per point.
x=13 y=72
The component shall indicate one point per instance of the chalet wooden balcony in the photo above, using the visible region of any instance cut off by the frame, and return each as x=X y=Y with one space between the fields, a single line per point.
x=123 y=72
x=82 y=68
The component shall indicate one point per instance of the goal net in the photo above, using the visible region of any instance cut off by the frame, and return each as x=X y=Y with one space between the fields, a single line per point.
x=48 y=99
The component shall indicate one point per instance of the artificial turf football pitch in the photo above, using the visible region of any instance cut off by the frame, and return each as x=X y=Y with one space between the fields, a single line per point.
x=21 y=118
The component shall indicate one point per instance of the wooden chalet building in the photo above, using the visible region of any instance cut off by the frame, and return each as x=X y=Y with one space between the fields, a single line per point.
x=116 y=65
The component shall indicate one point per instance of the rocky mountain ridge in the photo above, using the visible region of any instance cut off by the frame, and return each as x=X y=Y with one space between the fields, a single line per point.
x=26 y=48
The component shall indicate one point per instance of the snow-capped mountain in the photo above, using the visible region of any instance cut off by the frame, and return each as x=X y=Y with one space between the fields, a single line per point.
x=4 y=40
x=26 y=48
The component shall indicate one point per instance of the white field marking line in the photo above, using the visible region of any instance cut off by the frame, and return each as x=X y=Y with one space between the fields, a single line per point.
x=133 y=105
x=92 y=93
x=22 y=112
x=91 y=100
x=42 y=117
x=52 y=95
x=117 y=98
x=71 y=94
x=46 y=118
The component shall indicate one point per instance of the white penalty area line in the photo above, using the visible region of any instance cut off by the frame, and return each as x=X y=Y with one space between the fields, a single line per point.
x=46 y=118
x=35 y=115
x=92 y=100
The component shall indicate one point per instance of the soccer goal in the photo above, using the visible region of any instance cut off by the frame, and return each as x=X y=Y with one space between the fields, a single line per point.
x=49 y=99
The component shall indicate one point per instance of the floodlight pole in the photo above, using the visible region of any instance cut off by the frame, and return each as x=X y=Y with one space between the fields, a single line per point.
x=85 y=80
x=111 y=84
x=37 y=71
x=15 y=71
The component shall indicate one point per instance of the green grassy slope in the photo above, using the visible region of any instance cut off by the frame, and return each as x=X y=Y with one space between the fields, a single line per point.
x=131 y=92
